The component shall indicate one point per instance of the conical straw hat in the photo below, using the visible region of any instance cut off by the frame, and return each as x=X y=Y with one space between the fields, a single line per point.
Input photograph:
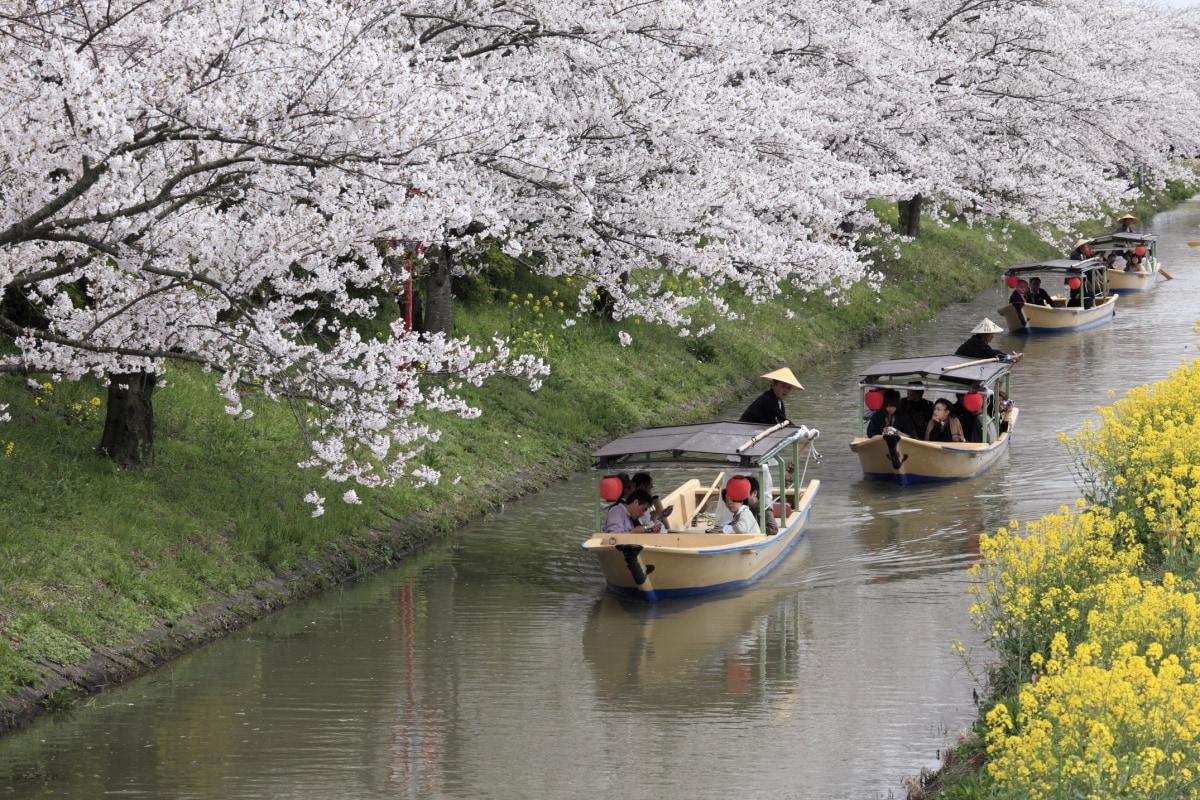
x=1129 y=217
x=784 y=375
x=987 y=326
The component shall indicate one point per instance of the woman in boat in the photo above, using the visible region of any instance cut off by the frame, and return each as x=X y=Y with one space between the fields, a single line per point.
x=767 y=408
x=1020 y=295
x=890 y=416
x=943 y=426
x=1133 y=263
x=753 y=502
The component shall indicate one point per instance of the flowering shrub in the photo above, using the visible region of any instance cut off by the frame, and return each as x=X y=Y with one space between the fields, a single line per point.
x=1143 y=460
x=1093 y=728
x=1107 y=659
x=1030 y=588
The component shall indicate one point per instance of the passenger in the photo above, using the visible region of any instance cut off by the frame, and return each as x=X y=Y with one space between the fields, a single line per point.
x=1134 y=263
x=1082 y=296
x=767 y=408
x=623 y=517
x=971 y=428
x=741 y=520
x=943 y=426
x=979 y=345
x=753 y=502
x=890 y=416
x=655 y=518
x=918 y=409
x=1125 y=224
x=1038 y=295
x=1020 y=295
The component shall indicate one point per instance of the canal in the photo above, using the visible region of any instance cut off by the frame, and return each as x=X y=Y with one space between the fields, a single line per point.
x=496 y=665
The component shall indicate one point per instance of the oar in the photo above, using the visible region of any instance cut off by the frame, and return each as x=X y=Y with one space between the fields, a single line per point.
x=1193 y=244
x=758 y=436
x=973 y=363
x=708 y=494
x=1165 y=274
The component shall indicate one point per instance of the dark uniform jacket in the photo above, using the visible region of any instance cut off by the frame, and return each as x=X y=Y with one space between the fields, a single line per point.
x=767 y=409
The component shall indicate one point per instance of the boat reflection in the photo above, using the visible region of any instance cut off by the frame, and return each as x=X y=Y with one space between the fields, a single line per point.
x=743 y=648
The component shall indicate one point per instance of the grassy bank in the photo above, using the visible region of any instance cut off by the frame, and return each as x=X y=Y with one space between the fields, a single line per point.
x=105 y=573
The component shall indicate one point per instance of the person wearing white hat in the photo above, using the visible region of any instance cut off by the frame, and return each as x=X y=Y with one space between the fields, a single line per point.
x=767 y=408
x=979 y=345
x=1125 y=224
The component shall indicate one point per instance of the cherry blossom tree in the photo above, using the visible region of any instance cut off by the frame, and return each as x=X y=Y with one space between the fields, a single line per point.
x=205 y=182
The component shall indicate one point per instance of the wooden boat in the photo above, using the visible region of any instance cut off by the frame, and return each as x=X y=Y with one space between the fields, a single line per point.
x=1114 y=248
x=684 y=560
x=980 y=384
x=1087 y=279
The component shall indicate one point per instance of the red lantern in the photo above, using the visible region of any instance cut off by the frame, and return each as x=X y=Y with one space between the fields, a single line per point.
x=1087 y=249
x=738 y=488
x=611 y=488
x=1139 y=251
x=1073 y=283
x=972 y=401
x=874 y=399
x=1011 y=281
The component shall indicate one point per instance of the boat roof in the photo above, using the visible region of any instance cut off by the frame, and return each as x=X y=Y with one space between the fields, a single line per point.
x=934 y=371
x=749 y=443
x=1064 y=265
x=1121 y=239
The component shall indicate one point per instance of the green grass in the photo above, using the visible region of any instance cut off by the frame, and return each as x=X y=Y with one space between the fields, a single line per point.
x=91 y=555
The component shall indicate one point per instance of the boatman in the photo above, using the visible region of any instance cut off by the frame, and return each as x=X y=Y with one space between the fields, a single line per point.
x=767 y=408
x=979 y=345
x=1125 y=224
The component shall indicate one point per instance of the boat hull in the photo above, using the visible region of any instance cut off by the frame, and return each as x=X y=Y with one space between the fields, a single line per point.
x=689 y=562
x=1031 y=318
x=928 y=462
x=1121 y=281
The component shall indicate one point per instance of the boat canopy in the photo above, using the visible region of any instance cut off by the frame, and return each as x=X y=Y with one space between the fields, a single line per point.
x=1123 y=241
x=935 y=372
x=746 y=443
x=1061 y=265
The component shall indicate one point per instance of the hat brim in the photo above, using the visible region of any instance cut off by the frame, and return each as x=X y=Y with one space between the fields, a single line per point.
x=1129 y=217
x=784 y=375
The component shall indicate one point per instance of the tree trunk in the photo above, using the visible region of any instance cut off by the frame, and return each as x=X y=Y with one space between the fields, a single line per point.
x=128 y=437
x=439 y=299
x=910 y=216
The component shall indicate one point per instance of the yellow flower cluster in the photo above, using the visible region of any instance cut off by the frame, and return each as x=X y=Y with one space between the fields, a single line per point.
x=533 y=321
x=1091 y=728
x=1144 y=460
x=1027 y=588
x=1104 y=661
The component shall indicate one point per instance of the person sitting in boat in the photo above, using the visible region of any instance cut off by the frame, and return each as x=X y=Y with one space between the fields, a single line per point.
x=753 y=502
x=1082 y=251
x=1125 y=224
x=972 y=426
x=1082 y=295
x=623 y=517
x=979 y=345
x=1038 y=295
x=943 y=426
x=741 y=520
x=918 y=409
x=1020 y=295
x=1133 y=263
x=655 y=518
x=767 y=408
x=890 y=416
